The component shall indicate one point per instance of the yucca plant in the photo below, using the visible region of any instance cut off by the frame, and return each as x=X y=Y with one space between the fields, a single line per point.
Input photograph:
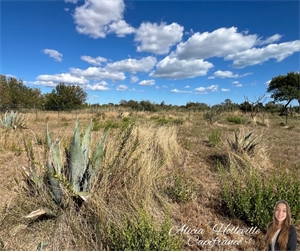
x=13 y=120
x=77 y=176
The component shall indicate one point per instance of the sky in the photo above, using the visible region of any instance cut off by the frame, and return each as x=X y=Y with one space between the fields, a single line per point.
x=172 y=51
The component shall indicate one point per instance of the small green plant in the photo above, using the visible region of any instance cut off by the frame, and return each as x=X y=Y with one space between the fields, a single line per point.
x=182 y=189
x=212 y=115
x=143 y=234
x=252 y=197
x=13 y=120
x=236 y=119
x=215 y=137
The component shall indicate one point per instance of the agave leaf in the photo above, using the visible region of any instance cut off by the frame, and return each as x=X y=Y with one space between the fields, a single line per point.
x=32 y=175
x=57 y=158
x=95 y=164
x=49 y=140
x=247 y=136
x=41 y=211
x=55 y=187
x=76 y=161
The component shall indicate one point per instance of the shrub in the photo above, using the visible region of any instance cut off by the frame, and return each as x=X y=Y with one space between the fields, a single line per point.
x=182 y=188
x=252 y=197
x=236 y=119
x=144 y=234
x=215 y=137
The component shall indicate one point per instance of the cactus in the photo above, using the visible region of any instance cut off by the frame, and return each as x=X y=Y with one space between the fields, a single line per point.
x=13 y=120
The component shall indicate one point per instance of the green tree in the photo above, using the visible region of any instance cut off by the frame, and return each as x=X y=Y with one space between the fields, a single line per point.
x=285 y=88
x=65 y=97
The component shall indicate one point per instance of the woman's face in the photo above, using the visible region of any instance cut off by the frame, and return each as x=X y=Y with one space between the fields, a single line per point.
x=280 y=212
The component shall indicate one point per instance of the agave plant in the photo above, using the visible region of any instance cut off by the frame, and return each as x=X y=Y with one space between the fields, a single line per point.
x=243 y=144
x=82 y=167
x=13 y=120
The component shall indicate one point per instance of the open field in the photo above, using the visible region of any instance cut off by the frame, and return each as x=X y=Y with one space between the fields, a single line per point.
x=172 y=146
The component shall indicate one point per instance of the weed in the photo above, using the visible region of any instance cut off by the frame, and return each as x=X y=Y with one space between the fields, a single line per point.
x=215 y=137
x=236 y=119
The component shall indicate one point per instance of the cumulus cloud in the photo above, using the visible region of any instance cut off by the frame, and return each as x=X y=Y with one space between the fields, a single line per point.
x=218 y=43
x=172 y=68
x=267 y=82
x=268 y=40
x=122 y=88
x=93 y=61
x=133 y=65
x=256 y=56
x=225 y=89
x=147 y=82
x=226 y=74
x=158 y=39
x=53 y=54
x=205 y=90
x=121 y=28
x=134 y=79
x=97 y=73
x=181 y=91
x=97 y=18
x=102 y=86
x=237 y=84
x=50 y=80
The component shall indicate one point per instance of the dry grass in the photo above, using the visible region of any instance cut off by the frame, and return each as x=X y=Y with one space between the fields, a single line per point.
x=160 y=152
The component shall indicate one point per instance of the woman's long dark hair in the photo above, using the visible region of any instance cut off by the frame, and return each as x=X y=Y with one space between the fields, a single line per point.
x=285 y=227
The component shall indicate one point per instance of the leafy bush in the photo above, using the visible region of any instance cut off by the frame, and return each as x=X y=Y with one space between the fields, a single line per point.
x=215 y=137
x=252 y=197
x=182 y=189
x=144 y=234
x=236 y=119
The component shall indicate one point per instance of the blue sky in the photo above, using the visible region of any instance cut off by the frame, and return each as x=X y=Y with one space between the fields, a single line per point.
x=171 y=51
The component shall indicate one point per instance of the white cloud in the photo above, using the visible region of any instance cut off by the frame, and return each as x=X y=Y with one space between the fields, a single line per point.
x=267 y=82
x=218 y=43
x=66 y=9
x=71 y=1
x=122 y=88
x=102 y=86
x=55 y=79
x=259 y=55
x=53 y=54
x=158 y=39
x=225 y=90
x=121 y=28
x=134 y=79
x=93 y=61
x=269 y=40
x=172 y=68
x=187 y=86
x=226 y=74
x=147 y=82
x=212 y=88
x=180 y=91
x=94 y=17
x=133 y=65
x=237 y=84
x=97 y=73
x=165 y=86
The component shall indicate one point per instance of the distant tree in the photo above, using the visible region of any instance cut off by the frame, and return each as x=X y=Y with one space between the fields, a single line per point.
x=285 y=88
x=65 y=97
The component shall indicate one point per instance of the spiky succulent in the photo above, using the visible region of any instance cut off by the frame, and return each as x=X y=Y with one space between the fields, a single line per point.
x=82 y=167
x=13 y=120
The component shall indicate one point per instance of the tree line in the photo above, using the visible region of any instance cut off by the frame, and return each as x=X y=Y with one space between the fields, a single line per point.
x=15 y=94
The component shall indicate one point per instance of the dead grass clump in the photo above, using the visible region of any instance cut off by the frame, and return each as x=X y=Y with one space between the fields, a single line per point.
x=134 y=164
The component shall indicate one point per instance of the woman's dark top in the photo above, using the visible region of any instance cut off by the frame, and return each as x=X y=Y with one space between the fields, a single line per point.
x=292 y=240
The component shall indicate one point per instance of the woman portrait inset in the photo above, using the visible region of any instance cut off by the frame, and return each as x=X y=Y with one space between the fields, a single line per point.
x=281 y=235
